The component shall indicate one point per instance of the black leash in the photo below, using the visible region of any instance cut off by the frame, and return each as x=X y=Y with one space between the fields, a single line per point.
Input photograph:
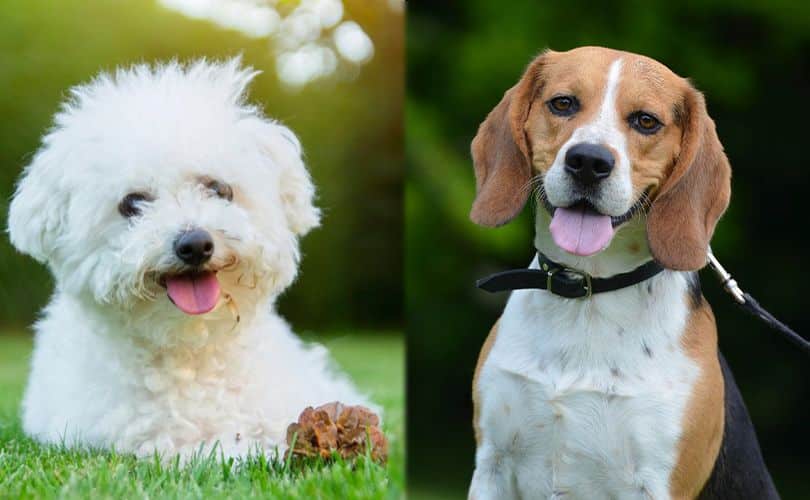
x=573 y=283
x=750 y=305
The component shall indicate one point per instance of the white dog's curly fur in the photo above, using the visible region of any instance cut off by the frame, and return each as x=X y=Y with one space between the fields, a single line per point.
x=115 y=363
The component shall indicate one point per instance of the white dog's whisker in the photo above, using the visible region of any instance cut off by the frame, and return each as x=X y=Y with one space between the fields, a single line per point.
x=230 y=263
x=229 y=236
x=233 y=308
x=251 y=286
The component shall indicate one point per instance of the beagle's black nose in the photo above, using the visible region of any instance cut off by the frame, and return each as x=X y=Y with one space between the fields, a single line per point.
x=588 y=163
x=194 y=247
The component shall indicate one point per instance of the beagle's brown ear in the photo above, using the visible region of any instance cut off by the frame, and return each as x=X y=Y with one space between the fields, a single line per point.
x=694 y=196
x=501 y=153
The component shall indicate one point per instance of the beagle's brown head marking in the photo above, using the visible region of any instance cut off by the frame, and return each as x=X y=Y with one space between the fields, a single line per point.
x=607 y=134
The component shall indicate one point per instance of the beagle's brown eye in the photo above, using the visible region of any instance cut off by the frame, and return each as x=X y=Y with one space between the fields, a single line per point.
x=564 y=105
x=132 y=204
x=218 y=188
x=645 y=123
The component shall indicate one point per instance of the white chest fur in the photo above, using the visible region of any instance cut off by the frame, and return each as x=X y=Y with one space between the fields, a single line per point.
x=584 y=399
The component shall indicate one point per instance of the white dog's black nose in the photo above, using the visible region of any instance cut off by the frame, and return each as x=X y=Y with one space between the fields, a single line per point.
x=194 y=247
x=589 y=163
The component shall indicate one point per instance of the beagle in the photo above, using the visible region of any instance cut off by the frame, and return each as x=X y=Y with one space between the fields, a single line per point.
x=622 y=394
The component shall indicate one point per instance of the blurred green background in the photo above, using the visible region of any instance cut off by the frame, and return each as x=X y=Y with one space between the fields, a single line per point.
x=752 y=60
x=350 y=125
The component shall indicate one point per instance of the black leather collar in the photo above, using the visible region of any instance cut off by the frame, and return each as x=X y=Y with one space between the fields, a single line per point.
x=564 y=281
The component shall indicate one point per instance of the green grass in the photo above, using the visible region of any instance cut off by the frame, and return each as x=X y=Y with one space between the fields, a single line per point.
x=28 y=470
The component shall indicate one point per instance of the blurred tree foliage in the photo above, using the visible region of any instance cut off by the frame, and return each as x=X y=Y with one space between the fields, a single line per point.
x=351 y=131
x=751 y=59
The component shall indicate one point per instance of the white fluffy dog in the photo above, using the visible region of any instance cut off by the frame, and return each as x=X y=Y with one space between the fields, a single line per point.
x=168 y=210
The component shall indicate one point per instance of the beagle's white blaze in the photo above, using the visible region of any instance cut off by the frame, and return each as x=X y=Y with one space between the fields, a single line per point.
x=615 y=194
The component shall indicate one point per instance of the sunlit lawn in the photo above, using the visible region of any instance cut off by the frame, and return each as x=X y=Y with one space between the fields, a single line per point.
x=376 y=362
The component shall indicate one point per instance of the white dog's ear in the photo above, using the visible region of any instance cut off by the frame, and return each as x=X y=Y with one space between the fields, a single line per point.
x=296 y=188
x=38 y=209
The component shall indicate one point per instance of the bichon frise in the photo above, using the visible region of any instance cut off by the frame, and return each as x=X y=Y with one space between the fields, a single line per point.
x=168 y=210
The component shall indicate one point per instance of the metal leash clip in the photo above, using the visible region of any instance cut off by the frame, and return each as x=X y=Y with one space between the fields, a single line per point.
x=751 y=306
x=729 y=283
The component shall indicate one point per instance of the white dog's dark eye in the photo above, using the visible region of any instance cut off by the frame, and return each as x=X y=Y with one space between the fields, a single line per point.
x=131 y=204
x=220 y=189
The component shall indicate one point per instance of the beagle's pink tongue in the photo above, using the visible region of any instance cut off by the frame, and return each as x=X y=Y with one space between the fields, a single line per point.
x=580 y=230
x=194 y=293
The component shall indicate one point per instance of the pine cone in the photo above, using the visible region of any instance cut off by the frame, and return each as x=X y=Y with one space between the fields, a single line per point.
x=337 y=427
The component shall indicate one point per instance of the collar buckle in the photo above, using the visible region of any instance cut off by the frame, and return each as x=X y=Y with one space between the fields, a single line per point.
x=581 y=276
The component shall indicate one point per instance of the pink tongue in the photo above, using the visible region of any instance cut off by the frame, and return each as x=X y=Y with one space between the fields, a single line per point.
x=580 y=230
x=194 y=293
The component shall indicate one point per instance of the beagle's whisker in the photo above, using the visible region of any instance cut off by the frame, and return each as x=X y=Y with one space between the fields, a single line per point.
x=528 y=186
x=540 y=192
x=537 y=190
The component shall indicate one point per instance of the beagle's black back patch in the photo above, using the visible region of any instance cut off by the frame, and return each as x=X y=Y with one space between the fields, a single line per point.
x=695 y=290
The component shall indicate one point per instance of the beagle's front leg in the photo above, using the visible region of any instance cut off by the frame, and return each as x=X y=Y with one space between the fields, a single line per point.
x=494 y=477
